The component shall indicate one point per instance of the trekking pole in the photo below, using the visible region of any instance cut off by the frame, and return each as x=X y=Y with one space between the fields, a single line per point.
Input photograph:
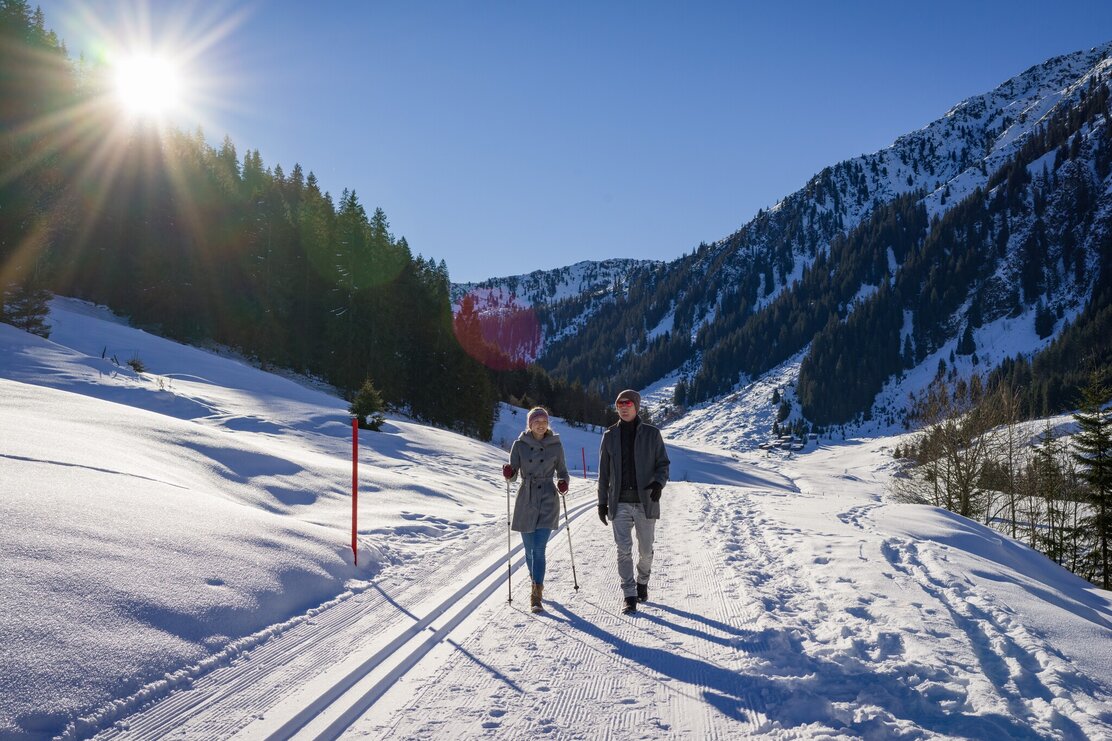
x=567 y=526
x=509 y=547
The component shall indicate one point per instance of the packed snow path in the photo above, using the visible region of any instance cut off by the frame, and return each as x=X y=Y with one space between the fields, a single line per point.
x=764 y=618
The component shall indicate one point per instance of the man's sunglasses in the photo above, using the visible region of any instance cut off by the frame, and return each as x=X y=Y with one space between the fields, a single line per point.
x=625 y=403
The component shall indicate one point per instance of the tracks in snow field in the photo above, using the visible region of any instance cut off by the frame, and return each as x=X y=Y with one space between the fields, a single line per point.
x=316 y=678
x=674 y=669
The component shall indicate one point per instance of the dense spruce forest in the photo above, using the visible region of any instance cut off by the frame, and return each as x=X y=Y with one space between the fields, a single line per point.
x=203 y=244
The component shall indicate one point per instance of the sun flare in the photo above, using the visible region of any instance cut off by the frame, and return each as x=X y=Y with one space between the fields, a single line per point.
x=148 y=86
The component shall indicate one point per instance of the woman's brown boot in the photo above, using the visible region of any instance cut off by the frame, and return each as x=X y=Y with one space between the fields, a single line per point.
x=535 y=598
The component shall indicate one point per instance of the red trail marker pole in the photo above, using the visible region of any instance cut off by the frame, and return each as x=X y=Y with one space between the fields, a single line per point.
x=584 y=462
x=354 y=488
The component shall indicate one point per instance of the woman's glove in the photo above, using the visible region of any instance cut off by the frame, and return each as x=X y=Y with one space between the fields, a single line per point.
x=603 y=511
x=508 y=471
x=562 y=486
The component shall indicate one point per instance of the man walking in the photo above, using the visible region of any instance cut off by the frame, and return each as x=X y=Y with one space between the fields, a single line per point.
x=632 y=472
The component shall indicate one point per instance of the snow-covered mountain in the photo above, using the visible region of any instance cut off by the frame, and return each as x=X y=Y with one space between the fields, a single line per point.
x=177 y=563
x=550 y=286
x=539 y=294
x=738 y=308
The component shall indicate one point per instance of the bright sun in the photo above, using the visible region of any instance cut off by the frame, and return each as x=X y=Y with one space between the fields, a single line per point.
x=147 y=86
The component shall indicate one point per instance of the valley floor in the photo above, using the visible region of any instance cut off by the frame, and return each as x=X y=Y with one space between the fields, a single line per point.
x=772 y=612
x=176 y=566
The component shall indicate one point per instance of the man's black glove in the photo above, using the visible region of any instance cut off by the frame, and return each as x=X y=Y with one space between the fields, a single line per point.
x=603 y=511
x=654 y=490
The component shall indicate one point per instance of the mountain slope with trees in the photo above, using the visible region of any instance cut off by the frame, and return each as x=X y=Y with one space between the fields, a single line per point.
x=880 y=263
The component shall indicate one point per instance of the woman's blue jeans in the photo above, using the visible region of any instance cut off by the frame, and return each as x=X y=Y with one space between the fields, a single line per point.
x=535 y=543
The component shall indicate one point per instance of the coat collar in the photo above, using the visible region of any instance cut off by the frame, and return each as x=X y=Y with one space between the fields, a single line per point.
x=549 y=438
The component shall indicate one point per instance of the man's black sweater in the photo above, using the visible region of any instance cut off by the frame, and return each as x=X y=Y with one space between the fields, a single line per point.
x=629 y=473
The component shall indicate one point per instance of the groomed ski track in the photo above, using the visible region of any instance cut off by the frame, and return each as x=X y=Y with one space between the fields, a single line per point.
x=312 y=680
x=772 y=612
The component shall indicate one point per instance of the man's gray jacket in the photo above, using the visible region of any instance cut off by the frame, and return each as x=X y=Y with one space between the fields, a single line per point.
x=650 y=462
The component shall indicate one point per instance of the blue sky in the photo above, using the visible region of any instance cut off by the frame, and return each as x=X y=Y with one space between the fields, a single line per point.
x=505 y=137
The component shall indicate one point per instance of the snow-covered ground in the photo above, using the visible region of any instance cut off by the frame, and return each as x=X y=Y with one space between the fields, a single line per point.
x=177 y=564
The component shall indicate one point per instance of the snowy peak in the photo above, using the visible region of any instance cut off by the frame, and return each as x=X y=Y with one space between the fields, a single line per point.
x=517 y=314
x=547 y=286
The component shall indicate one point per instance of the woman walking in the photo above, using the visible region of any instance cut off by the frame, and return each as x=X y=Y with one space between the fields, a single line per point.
x=536 y=455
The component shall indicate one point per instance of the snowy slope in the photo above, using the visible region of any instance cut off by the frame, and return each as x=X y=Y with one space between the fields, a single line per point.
x=177 y=545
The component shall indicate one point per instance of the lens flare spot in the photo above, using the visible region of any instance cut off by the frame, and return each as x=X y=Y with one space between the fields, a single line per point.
x=497 y=329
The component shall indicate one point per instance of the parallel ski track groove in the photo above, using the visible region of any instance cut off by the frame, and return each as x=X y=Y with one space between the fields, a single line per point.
x=410 y=656
x=592 y=652
x=228 y=698
x=305 y=642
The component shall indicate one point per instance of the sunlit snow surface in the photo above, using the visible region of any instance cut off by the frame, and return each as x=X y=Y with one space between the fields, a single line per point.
x=163 y=530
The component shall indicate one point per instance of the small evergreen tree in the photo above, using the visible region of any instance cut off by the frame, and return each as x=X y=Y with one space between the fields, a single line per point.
x=679 y=398
x=1094 y=454
x=367 y=406
x=966 y=345
x=1044 y=321
x=26 y=306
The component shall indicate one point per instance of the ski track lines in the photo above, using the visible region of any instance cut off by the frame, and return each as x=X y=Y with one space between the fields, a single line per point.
x=300 y=673
x=583 y=670
x=748 y=632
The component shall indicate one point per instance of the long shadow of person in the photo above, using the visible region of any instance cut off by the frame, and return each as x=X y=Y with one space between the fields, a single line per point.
x=749 y=641
x=804 y=688
x=729 y=691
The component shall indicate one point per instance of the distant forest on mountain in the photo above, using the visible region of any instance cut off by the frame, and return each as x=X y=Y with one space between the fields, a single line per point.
x=203 y=244
x=867 y=288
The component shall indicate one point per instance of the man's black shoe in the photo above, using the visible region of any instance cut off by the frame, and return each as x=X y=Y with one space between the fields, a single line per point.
x=630 y=605
x=642 y=592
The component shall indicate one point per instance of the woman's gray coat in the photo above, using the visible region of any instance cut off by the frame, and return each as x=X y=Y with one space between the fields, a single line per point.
x=535 y=461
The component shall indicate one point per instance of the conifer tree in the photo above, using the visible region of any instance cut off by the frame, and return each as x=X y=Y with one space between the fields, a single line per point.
x=966 y=345
x=1093 y=446
x=1044 y=320
x=25 y=306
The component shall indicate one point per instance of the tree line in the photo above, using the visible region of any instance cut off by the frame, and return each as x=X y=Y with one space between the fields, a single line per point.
x=975 y=456
x=204 y=244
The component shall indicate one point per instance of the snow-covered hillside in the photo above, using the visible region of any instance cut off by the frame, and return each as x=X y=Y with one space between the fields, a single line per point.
x=1047 y=245
x=177 y=564
x=550 y=286
x=588 y=282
